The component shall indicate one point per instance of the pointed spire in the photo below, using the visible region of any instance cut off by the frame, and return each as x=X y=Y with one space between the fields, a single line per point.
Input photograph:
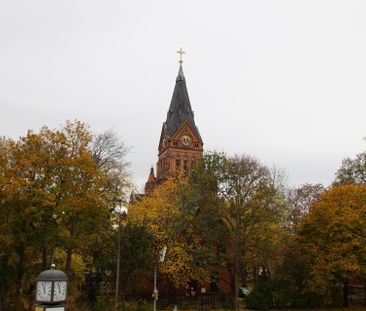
x=180 y=107
x=180 y=76
x=151 y=181
x=151 y=178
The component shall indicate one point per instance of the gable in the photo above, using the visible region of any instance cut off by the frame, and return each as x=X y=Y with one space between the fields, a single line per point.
x=187 y=137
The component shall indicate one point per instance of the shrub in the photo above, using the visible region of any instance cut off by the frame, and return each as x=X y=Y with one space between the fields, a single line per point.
x=260 y=298
x=140 y=305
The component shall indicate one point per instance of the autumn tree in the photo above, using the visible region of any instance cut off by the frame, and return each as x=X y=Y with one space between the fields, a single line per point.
x=9 y=246
x=333 y=236
x=56 y=195
x=167 y=216
x=28 y=208
x=88 y=183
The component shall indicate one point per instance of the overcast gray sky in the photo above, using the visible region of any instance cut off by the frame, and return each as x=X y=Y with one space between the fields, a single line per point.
x=283 y=81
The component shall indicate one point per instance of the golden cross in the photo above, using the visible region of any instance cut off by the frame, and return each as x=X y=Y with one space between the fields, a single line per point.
x=181 y=52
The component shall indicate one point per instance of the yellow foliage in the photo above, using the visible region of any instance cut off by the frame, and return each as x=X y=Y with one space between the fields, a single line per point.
x=54 y=195
x=333 y=234
x=163 y=213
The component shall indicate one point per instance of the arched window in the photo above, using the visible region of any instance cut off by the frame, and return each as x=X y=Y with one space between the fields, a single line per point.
x=185 y=165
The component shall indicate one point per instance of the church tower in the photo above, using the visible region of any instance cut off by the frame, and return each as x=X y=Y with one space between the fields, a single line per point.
x=180 y=144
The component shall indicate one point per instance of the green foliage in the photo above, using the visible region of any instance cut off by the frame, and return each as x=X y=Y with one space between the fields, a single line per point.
x=261 y=297
x=241 y=203
x=140 y=305
x=103 y=303
x=352 y=171
x=137 y=255
x=287 y=294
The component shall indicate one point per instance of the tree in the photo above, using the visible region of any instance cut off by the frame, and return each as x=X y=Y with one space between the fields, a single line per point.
x=333 y=236
x=109 y=153
x=204 y=200
x=56 y=195
x=27 y=207
x=261 y=297
x=240 y=202
x=352 y=171
x=300 y=199
x=168 y=218
x=136 y=256
x=250 y=208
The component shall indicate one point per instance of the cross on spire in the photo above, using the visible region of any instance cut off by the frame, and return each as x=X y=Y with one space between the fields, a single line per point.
x=181 y=52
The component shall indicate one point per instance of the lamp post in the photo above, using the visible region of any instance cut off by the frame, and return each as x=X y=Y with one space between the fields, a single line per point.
x=122 y=222
x=51 y=290
x=162 y=253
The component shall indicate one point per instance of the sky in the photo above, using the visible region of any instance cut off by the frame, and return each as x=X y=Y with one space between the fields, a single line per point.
x=282 y=81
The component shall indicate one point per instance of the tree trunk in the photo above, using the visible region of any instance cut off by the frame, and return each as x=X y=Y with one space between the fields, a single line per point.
x=68 y=262
x=20 y=270
x=2 y=301
x=51 y=257
x=116 y=296
x=345 y=294
x=255 y=274
x=364 y=292
x=74 y=222
x=19 y=278
x=44 y=258
x=4 y=288
x=236 y=281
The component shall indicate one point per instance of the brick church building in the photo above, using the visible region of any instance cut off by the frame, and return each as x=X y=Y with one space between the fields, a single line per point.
x=180 y=144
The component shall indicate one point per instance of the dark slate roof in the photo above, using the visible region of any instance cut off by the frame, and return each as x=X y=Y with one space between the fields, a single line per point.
x=180 y=107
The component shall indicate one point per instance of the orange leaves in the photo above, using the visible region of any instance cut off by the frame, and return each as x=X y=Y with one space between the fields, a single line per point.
x=51 y=176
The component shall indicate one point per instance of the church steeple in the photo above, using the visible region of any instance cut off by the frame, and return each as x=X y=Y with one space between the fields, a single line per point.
x=151 y=180
x=180 y=107
x=180 y=144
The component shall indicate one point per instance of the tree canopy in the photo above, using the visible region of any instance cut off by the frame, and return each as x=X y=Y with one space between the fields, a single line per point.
x=168 y=217
x=352 y=171
x=58 y=188
x=333 y=235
